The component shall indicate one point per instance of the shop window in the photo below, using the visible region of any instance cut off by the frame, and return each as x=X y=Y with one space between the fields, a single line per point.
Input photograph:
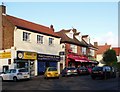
x=26 y=36
x=39 y=39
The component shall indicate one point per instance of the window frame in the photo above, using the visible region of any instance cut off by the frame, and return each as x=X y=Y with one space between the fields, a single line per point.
x=51 y=41
x=39 y=39
x=26 y=36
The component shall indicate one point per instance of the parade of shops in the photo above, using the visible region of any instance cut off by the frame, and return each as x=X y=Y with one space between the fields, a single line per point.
x=36 y=47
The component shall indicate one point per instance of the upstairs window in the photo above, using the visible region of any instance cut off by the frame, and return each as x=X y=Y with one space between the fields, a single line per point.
x=51 y=41
x=26 y=36
x=84 y=51
x=39 y=39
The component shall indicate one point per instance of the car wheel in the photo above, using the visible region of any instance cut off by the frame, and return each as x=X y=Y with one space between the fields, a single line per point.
x=15 y=79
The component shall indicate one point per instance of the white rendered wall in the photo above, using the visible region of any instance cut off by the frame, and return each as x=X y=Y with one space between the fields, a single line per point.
x=33 y=45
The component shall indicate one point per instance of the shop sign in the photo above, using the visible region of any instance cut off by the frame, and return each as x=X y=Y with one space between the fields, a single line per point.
x=48 y=57
x=5 y=55
x=26 y=55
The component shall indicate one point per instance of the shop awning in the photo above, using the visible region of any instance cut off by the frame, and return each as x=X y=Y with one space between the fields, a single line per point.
x=78 y=58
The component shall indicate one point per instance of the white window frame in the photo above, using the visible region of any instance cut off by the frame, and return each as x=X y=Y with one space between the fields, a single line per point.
x=39 y=39
x=26 y=36
x=84 y=52
x=51 y=41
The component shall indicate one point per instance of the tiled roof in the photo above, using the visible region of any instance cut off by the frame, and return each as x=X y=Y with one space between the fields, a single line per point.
x=102 y=49
x=90 y=45
x=66 y=39
x=24 y=24
x=117 y=50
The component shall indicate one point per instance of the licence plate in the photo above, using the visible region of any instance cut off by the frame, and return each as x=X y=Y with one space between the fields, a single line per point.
x=25 y=76
x=95 y=72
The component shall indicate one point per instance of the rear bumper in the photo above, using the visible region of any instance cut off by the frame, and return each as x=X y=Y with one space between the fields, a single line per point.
x=74 y=73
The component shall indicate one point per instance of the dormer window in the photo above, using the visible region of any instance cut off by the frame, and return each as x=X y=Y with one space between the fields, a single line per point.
x=70 y=34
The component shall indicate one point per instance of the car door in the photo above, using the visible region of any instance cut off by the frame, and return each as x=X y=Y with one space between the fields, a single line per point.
x=6 y=75
x=12 y=74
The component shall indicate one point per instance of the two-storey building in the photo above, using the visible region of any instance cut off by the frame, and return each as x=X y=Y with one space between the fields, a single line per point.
x=24 y=44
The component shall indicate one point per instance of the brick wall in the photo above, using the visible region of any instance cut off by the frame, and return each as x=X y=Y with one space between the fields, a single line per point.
x=8 y=34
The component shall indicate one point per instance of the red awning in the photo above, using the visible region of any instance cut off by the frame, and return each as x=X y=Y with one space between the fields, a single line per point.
x=78 y=58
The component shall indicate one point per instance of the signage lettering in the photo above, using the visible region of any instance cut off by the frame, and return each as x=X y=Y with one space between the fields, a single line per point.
x=5 y=55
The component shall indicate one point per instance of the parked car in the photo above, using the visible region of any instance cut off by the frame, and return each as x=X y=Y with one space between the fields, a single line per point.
x=82 y=71
x=103 y=72
x=89 y=69
x=68 y=71
x=51 y=72
x=15 y=74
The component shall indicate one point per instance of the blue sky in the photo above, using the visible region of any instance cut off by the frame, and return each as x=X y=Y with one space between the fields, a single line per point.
x=99 y=20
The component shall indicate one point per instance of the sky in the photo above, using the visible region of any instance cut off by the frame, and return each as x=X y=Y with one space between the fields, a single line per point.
x=99 y=20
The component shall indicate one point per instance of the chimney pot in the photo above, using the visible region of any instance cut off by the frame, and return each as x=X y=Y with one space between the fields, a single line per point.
x=51 y=26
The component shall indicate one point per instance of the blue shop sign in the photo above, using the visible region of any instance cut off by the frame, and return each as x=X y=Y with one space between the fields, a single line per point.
x=47 y=57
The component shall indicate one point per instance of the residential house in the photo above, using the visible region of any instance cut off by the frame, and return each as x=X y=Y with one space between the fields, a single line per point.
x=99 y=53
x=117 y=50
x=27 y=44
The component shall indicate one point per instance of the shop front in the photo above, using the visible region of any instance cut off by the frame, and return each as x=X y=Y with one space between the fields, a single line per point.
x=45 y=60
x=5 y=61
x=26 y=60
x=77 y=60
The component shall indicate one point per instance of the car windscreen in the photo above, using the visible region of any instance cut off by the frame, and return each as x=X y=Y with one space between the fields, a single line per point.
x=72 y=68
x=97 y=69
x=52 y=69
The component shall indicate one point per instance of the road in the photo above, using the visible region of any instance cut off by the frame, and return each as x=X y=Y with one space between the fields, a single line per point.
x=63 y=83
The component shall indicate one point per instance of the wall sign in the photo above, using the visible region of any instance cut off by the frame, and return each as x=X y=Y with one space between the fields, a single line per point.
x=48 y=57
x=5 y=55
x=26 y=55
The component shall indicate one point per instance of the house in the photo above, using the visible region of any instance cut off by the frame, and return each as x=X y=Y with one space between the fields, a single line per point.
x=27 y=44
x=99 y=53
x=117 y=50
x=74 y=48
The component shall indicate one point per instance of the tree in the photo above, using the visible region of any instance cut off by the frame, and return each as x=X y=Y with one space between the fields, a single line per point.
x=109 y=57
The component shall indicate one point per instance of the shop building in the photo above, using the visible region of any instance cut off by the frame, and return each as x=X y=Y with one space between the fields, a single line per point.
x=74 y=48
x=27 y=44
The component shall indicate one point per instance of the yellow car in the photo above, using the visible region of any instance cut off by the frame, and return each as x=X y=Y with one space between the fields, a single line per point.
x=51 y=72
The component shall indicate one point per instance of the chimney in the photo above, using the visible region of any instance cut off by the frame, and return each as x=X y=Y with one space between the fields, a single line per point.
x=2 y=9
x=105 y=43
x=51 y=27
x=96 y=44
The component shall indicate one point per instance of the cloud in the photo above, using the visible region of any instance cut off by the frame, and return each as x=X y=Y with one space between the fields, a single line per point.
x=109 y=38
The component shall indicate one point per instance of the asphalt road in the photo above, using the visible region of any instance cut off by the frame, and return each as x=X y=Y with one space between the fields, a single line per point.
x=64 y=83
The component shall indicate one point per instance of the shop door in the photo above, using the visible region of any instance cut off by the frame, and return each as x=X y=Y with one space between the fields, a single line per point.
x=52 y=64
x=41 y=67
x=5 y=68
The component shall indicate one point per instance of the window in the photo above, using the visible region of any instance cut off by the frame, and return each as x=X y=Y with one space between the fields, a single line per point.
x=73 y=48
x=39 y=39
x=51 y=41
x=83 y=50
x=26 y=36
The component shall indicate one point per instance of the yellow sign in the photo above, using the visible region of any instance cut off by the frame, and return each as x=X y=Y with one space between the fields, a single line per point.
x=5 y=55
x=30 y=55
